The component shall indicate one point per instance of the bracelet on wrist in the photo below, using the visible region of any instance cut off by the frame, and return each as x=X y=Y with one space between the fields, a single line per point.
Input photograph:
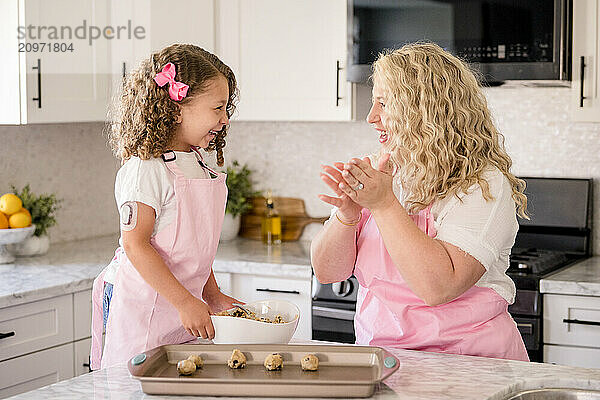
x=353 y=223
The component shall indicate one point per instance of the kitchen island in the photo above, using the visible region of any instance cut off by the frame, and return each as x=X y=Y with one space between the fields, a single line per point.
x=421 y=376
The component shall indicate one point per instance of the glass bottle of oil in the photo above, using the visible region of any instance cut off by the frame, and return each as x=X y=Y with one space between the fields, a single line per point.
x=271 y=223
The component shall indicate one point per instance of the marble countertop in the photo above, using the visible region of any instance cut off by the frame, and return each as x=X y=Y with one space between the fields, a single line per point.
x=421 y=376
x=582 y=279
x=72 y=266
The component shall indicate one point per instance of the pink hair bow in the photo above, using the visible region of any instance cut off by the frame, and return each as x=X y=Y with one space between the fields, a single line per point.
x=177 y=90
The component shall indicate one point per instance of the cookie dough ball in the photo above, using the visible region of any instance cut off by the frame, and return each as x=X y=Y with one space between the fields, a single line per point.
x=186 y=367
x=196 y=359
x=274 y=362
x=237 y=359
x=310 y=362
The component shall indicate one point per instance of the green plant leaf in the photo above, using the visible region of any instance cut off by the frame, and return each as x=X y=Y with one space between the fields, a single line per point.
x=42 y=208
x=240 y=189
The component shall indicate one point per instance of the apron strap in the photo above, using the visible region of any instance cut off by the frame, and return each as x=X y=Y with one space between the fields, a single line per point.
x=213 y=173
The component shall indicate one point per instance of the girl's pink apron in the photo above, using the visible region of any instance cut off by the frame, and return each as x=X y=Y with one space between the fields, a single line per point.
x=140 y=318
x=388 y=313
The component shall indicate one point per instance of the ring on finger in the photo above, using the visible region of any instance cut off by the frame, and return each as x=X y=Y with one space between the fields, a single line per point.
x=359 y=186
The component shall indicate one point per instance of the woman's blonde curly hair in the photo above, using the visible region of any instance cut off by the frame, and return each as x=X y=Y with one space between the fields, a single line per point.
x=144 y=117
x=440 y=131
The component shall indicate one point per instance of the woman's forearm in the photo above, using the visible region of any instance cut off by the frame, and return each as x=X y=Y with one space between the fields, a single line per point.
x=155 y=272
x=333 y=252
x=423 y=262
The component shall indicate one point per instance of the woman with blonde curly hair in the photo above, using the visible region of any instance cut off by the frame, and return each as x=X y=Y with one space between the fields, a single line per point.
x=427 y=225
x=160 y=287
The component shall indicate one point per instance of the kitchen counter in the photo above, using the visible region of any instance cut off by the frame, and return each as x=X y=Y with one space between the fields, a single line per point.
x=72 y=266
x=582 y=279
x=421 y=376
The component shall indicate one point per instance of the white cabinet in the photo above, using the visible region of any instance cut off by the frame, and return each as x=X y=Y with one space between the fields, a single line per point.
x=585 y=102
x=163 y=23
x=52 y=70
x=572 y=330
x=81 y=356
x=288 y=57
x=248 y=288
x=224 y=282
x=36 y=370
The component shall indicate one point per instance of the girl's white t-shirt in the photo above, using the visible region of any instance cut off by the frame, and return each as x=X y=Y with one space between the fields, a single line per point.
x=484 y=229
x=152 y=183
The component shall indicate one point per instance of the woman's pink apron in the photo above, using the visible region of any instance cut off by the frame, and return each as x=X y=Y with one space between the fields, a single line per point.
x=388 y=313
x=140 y=318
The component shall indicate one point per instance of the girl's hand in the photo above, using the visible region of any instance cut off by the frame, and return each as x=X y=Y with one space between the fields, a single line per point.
x=195 y=317
x=368 y=187
x=221 y=301
x=348 y=209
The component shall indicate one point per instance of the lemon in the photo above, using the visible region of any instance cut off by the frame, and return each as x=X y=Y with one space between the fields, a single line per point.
x=20 y=219
x=3 y=221
x=10 y=203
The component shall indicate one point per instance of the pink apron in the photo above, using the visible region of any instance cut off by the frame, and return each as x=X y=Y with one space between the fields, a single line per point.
x=139 y=318
x=388 y=313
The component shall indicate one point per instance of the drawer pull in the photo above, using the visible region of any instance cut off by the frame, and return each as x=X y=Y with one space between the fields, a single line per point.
x=278 y=291
x=525 y=328
x=576 y=321
x=5 y=335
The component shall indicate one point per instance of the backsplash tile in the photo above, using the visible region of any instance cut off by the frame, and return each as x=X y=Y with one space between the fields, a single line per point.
x=74 y=161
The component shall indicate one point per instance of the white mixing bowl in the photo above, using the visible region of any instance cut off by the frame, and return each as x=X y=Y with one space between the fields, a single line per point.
x=242 y=330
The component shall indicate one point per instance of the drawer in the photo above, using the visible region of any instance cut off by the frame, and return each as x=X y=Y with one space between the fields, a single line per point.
x=81 y=351
x=37 y=325
x=572 y=320
x=572 y=356
x=82 y=314
x=252 y=288
x=36 y=370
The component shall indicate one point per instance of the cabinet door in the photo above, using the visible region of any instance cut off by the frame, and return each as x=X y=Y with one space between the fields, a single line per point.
x=36 y=325
x=572 y=356
x=81 y=356
x=36 y=370
x=82 y=314
x=585 y=103
x=10 y=109
x=164 y=23
x=572 y=320
x=68 y=77
x=224 y=282
x=288 y=57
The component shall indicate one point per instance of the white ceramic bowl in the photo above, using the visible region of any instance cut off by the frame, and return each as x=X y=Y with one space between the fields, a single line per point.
x=15 y=235
x=241 y=330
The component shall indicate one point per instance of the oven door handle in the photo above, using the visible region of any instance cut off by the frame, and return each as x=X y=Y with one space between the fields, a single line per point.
x=334 y=313
x=580 y=322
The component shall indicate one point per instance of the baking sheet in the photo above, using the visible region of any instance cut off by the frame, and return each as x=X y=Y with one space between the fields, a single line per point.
x=344 y=371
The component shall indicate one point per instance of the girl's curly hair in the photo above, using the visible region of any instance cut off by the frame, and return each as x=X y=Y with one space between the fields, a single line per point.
x=441 y=135
x=143 y=120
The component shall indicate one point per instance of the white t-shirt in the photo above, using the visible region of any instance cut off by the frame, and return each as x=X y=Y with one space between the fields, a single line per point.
x=152 y=183
x=484 y=229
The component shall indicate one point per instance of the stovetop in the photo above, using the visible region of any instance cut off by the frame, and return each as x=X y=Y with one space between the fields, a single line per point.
x=529 y=265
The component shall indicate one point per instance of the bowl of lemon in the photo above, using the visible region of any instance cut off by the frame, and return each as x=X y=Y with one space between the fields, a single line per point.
x=15 y=225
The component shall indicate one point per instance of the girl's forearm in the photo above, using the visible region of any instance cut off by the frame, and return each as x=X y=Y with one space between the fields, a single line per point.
x=333 y=252
x=155 y=272
x=423 y=262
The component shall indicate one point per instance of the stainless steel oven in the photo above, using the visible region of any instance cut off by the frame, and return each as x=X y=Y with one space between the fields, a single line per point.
x=333 y=307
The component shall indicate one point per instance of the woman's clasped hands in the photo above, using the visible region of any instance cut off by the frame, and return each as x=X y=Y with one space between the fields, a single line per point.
x=358 y=185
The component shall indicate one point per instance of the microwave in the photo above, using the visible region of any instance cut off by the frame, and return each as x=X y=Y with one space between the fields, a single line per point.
x=501 y=39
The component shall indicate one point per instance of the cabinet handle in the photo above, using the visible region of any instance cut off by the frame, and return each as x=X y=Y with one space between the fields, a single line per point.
x=5 y=335
x=582 y=76
x=88 y=364
x=39 y=79
x=577 y=321
x=124 y=70
x=337 y=83
x=278 y=291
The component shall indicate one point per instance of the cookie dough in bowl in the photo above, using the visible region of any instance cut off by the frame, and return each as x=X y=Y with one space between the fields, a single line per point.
x=270 y=322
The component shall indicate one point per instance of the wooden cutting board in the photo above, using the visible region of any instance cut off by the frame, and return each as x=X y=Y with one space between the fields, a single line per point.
x=293 y=218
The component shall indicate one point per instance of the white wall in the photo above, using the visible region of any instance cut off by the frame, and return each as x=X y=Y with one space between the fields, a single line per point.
x=73 y=160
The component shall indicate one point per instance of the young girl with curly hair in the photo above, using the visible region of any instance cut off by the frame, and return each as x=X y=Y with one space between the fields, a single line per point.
x=427 y=225
x=160 y=289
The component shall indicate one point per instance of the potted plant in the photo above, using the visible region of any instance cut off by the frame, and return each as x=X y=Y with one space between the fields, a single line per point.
x=42 y=209
x=240 y=190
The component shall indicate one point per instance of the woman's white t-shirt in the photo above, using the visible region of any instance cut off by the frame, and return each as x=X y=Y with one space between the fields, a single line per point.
x=484 y=229
x=152 y=183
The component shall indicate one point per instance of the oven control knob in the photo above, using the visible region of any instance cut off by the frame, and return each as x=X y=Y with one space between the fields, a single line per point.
x=523 y=266
x=342 y=289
